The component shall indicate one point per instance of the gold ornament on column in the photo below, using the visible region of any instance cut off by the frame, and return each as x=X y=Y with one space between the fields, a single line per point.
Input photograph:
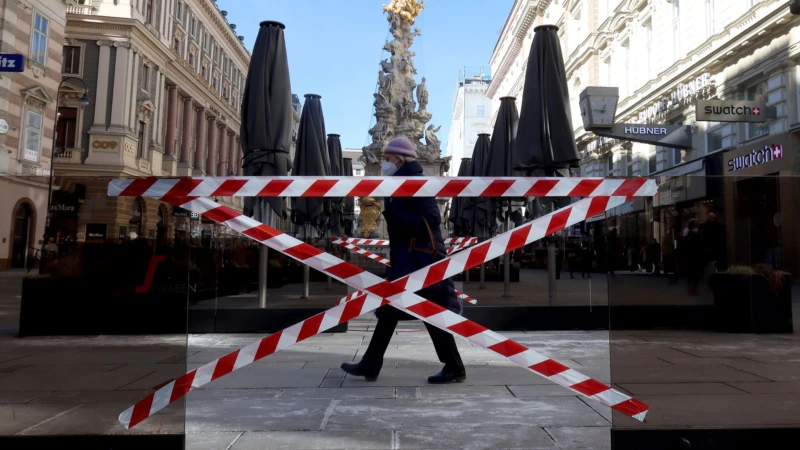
x=407 y=9
x=370 y=211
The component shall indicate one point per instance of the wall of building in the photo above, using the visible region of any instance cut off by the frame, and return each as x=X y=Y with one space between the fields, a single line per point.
x=471 y=116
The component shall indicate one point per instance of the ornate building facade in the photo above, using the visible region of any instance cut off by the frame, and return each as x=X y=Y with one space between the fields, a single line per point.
x=166 y=79
x=33 y=29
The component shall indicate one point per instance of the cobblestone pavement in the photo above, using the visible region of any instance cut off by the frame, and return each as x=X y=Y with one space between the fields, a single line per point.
x=299 y=398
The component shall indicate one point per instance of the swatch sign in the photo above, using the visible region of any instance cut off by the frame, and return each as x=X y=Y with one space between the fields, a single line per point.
x=756 y=157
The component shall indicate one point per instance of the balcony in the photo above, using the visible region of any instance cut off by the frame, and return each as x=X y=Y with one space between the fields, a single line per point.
x=69 y=156
x=83 y=10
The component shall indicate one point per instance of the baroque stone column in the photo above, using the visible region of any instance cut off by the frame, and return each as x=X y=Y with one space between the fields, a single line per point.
x=102 y=85
x=200 y=142
x=186 y=144
x=224 y=140
x=172 y=121
x=213 y=141
x=119 y=97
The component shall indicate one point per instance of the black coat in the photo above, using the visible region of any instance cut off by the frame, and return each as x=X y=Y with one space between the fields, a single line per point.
x=410 y=246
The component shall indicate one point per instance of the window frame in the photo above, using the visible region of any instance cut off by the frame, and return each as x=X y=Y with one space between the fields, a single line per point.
x=24 y=147
x=82 y=47
x=34 y=34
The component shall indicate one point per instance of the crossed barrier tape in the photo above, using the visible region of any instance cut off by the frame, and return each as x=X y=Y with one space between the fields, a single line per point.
x=460 y=242
x=385 y=261
x=381 y=187
x=397 y=293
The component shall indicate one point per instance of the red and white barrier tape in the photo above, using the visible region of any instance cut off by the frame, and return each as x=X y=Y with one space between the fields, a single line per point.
x=240 y=186
x=397 y=295
x=382 y=260
x=461 y=241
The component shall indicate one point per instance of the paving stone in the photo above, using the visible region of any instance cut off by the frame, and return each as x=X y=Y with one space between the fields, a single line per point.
x=249 y=414
x=461 y=413
x=753 y=410
x=217 y=440
x=462 y=391
x=406 y=392
x=542 y=390
x=71 y=368
x=202 y=396
x=478 y=376
x=332 y=382
x=250 y=377
x=582 y=437
x=100 y=356
x=75 y=397
x=483 y=437
x=312 y=440
x=101 y=418
x=55 y=381
x=681 y=389
x=17 y=418
x=772 y=371
x=338 y=393
x=705 y=373
x=607 y=362
x=19 y=396
x=769 y=387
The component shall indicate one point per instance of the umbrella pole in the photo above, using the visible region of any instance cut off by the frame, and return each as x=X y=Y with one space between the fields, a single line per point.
x=507 y=262
x=481 y=285
x=551 y=271
x=263 y=262
x=328 y=246
x=306 y=273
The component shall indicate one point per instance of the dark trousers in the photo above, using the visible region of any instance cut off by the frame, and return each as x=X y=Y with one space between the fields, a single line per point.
x=443 y=342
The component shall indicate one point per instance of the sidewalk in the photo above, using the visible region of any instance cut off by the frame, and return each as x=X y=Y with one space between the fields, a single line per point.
x=299 y=398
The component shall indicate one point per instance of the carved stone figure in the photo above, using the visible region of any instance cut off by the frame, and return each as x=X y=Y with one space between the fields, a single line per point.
x=385 y=82
x=422 y=95
x=430 y=135
x=370 y=212
x=386 y=66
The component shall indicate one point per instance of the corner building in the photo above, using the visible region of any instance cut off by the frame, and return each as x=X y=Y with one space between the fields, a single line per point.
x=165 y=78
x=664 y=55
x=33 y=29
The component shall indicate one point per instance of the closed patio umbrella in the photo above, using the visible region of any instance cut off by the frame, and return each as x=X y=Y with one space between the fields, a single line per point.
x=311 y=159
x=457 y=217
x=349 y=204
x=337 y=203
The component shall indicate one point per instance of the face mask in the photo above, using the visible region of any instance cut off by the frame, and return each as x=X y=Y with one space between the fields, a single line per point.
x=388 y=168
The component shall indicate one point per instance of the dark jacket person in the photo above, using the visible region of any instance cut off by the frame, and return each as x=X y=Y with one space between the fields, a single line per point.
x=415 y=241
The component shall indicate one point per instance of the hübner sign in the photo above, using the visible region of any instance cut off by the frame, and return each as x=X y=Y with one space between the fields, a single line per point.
x=731 y=111
x=646 y=130
x=756 y=157
x=682 y=94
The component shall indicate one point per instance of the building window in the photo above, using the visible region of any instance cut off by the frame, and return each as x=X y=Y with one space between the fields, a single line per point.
x=648 y=28
x=628 y=162
x=39 y=39
x=610 y=164
x=178 y=10
x=710 y=22
x=713 y=136
x=652 y=161
x=145 y=78
x=33 y=136
x=358 y=172
x=480 y=110
x=148 y=11
x=142 y=143
x=676 y=28
x=66 y=128
x=628 y=88
x=71 y=60
x=757 y=93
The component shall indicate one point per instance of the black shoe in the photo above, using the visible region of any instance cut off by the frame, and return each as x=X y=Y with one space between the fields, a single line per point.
x=445 y=377
x=354 y=369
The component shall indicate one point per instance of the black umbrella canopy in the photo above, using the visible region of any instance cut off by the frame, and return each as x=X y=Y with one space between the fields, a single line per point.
x=476 y=209
x=501 y=163
x=266 y=131
x=545 y=145
x=349 y=202
x=337 y=203
x=311 y=159
x=456 y=217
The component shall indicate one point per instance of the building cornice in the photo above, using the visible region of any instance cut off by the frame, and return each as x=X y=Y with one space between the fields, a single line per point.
x=215 y=15
x=526 y=20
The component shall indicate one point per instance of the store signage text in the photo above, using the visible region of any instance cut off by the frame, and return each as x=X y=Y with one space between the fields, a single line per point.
x=105 y=144
x=731 y=111
x=756 y=157
x=12 y=62
x=62 y=207
x=683 y=94
x=646 y=130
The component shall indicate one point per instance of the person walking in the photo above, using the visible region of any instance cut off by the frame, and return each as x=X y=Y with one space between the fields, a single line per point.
x=415 y=241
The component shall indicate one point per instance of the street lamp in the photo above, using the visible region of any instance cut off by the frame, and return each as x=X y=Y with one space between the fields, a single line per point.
x=54 y=152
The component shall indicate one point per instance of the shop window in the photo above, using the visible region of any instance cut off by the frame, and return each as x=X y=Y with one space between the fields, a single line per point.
x=66 y=128
x=38 y=50
x=71 y=60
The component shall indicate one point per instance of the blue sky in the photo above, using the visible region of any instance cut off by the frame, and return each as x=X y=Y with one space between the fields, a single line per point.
x=334 y=49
